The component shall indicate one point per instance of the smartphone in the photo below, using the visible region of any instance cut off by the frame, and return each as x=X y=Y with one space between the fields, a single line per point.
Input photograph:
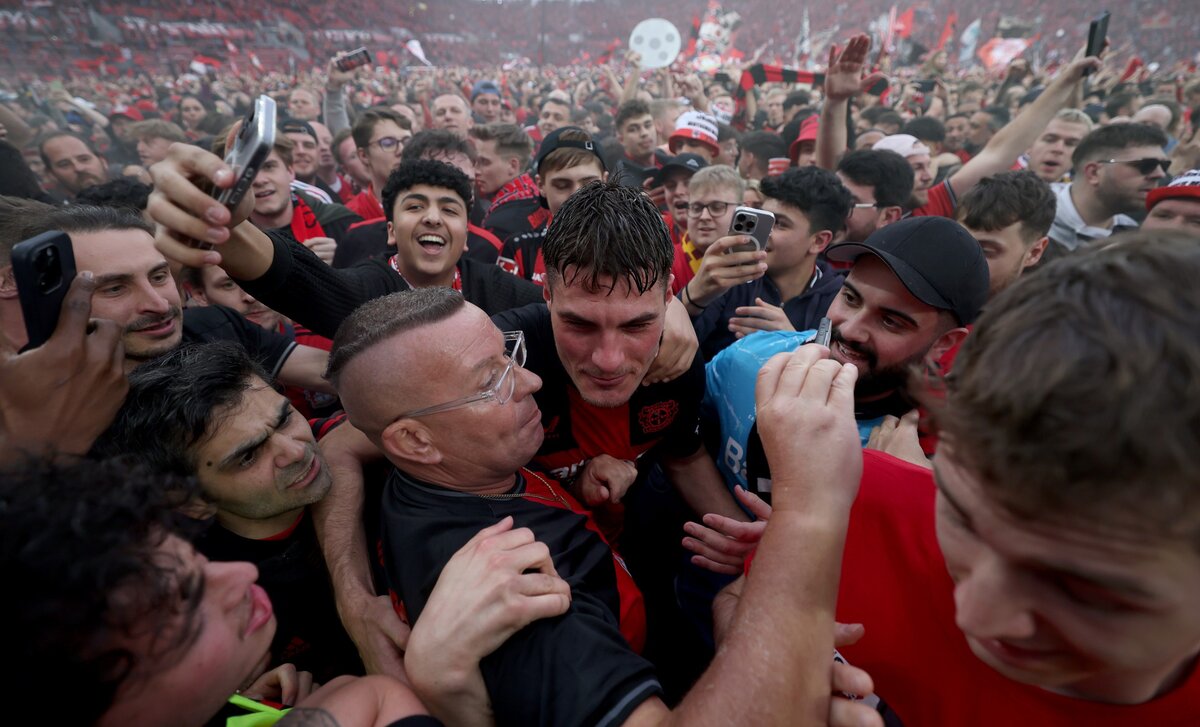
x=250 y=150
x=824 y=332
x=1097 y=35
x=753 y=222
x=43 y=268
x=354 y=59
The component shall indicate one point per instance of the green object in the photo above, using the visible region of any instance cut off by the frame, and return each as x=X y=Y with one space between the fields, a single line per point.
x=260 y=715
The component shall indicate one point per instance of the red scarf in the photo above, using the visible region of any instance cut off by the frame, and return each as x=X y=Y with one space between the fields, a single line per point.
x=304 y=221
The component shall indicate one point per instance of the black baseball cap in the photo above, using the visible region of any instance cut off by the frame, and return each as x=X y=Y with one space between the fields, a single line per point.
x=296 y=126
x=687 y=161
x=552 y=143
x=934 y=257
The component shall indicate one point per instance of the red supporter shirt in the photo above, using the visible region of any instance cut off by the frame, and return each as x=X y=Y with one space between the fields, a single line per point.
x=894 y=582
x=366 y=205
x=941 y=203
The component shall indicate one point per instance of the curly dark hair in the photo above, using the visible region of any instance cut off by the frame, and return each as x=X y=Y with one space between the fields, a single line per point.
x=172 y=400
x=432 y=143
x=607 y=231
x=123 y=192
x=816 y=192
x=81 y=551
x=424 y=171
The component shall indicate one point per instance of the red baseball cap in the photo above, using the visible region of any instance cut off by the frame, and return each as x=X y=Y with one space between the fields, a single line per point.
x=128 y=112
x=1185 y=186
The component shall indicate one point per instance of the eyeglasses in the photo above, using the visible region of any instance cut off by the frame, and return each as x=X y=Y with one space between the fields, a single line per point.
x=388 y=143
x=1144 y=166
x=716 y=209
x=499 y=392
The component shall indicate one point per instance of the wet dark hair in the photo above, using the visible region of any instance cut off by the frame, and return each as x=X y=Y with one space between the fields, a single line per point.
x=80 y=549
x=424 y=171
x=607 y=231
x=436 y=142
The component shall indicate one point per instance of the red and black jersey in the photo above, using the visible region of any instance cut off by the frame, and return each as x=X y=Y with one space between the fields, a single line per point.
x=368 y=239
x=522 y=256
x=663 y=416
x=579 y=668
x=291 y=569
x=516 y=209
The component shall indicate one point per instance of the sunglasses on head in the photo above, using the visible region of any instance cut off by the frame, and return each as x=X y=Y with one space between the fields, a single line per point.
x=1144 y=166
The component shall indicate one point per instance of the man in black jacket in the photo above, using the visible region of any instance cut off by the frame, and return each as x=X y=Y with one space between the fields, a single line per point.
x=427 y=205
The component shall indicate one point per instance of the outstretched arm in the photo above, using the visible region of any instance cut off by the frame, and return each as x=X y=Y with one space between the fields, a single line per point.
x=1012 y=141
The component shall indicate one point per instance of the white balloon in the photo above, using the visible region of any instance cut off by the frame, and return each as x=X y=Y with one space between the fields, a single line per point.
x=657 y=41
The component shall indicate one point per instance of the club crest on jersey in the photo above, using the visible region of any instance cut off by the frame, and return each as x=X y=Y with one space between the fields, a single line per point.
x=654 y=418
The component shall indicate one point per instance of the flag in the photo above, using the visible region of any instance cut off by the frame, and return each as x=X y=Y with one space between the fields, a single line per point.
x=1134 y=64
x=229 y=46
x=968 y=40
x=948 y=30
x=903 y=26
x=607 y=55
x=255 y=62
x=690 y=50
x=999 y=52
x=414 y=47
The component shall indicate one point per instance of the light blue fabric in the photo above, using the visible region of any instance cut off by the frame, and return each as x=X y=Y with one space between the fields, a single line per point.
x=729 y=395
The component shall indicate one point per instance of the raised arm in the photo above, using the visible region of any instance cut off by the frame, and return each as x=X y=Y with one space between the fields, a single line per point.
x=843 y=81
x=186 y=214
x=1012 y=140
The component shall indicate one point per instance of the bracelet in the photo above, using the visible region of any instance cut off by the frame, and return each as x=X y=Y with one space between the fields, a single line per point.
x=688 y=294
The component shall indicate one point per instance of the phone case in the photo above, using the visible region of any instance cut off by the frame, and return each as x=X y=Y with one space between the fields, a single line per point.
x=43 y=268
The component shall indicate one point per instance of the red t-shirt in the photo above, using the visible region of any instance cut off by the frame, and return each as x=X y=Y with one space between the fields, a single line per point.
x=941 y=203
x=366 y=205
x=894 y=582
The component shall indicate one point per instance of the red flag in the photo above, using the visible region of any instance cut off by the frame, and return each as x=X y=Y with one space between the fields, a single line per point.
x=948 y=31
x=904 y=24
x=1134 y=64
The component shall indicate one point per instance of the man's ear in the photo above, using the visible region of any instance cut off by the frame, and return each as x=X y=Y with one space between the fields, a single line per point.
x=1091 y=173
x=198 y=508
x=362 y=157
x=391 y=235
x=195 y=293
x=945 y=342
x=8 y=282
x=408 y=440
x=819 y=241
x=888 y=215
x=1035 y=252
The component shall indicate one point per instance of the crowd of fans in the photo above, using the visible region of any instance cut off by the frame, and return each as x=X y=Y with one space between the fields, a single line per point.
x=588 y=394
x=476 y=33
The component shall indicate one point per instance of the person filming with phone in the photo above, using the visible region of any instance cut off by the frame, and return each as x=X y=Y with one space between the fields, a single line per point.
x=781 y=286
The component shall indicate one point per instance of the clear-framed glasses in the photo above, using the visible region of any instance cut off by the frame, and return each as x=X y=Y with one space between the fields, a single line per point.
x=716 y=209
x=389 y=143
x=1144 y=166
x=500 y=392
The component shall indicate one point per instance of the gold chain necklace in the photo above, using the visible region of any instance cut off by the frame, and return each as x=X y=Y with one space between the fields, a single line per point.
x=514 y=495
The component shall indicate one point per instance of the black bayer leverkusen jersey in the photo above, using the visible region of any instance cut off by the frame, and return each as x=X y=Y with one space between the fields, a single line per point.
x=663 y=415
x=580 y=668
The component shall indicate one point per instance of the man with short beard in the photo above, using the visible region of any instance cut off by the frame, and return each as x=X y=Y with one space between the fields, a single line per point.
x=134 y=289
x=913 y=289
x=1116 y=167
x=71 y=162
